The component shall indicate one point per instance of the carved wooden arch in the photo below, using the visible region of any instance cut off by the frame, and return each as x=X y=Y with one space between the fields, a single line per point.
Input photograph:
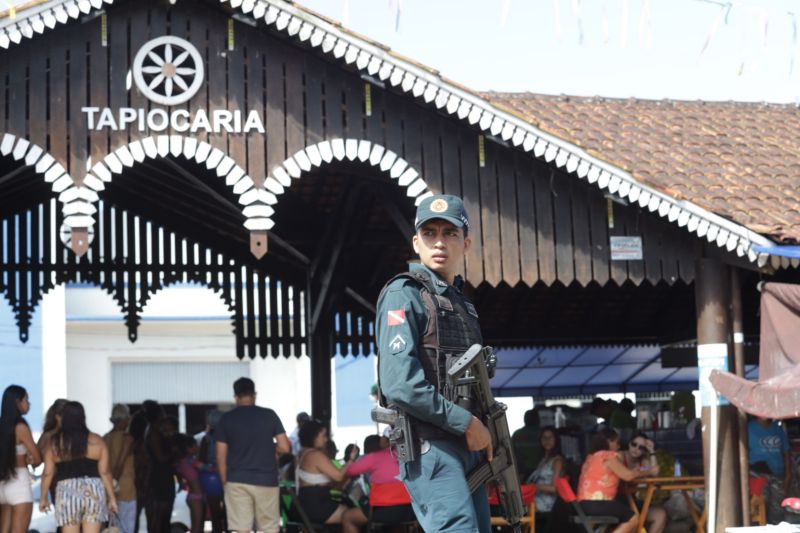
x=77 y=202
x=325 y=152
x=35 y=156
x=156 y=147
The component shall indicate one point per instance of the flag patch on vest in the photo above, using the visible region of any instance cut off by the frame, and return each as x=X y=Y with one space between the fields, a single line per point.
x=396 y=318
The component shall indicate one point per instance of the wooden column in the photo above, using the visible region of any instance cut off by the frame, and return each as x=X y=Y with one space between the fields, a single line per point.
x=321 y=353
x=712 y=289
x=738 y=356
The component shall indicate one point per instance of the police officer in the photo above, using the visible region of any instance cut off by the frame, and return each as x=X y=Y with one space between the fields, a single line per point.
x=424 y=322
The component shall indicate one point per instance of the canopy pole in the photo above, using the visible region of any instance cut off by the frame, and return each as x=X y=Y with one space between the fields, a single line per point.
x=738 y=355
x=712 y=299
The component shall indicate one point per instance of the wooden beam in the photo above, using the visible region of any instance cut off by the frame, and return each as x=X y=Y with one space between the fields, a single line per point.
x=400 y=220
x=326 y=237
x=306 y=261
x=360 y=299
x=14 y=173
x=221 y=212
x=198 y=183
x=342 y=227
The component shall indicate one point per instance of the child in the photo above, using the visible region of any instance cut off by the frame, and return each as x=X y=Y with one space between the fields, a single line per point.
x=188 y=468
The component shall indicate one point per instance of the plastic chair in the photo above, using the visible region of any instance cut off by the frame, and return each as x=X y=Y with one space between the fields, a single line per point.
x=591 y=523
x=758 y=508
x=390 y=494
x=295 y=517
x=408 y=527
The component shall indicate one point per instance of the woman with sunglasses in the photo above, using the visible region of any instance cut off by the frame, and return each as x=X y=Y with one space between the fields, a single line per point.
x=600 y=479
x=640 y=456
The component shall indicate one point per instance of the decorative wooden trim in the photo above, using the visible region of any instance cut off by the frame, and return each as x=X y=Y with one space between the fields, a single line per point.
x=376 y=60
x=37 y=19
x=420 y=82
x=280 y=178
x=78 y=202
x=155 y=147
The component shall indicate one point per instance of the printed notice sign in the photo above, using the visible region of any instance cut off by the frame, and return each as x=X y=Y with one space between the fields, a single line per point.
x=626 y=248
x=711 y=357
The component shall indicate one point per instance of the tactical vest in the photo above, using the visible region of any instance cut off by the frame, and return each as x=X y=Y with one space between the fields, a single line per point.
x=452 y=328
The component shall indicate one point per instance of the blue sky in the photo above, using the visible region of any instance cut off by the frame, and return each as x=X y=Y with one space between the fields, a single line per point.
x=594 y=47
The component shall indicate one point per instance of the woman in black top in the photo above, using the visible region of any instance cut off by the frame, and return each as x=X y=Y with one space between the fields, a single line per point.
x=78 y=462
x=161 y=481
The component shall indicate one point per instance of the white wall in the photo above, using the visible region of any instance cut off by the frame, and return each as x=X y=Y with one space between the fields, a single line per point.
x=181 y=324
x=54 y=346
x=283 y=385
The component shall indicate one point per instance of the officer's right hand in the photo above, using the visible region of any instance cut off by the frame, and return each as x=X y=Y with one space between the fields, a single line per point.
x=478 y=438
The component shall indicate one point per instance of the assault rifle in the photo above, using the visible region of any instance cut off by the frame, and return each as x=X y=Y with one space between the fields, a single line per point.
x=469 y=377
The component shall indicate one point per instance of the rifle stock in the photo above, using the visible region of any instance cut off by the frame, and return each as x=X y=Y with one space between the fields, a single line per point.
x=470 y=371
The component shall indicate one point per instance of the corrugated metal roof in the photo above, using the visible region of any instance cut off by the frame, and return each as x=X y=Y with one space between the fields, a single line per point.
x=544 y=371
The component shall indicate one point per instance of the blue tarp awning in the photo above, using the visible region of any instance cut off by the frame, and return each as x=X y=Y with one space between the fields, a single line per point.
x=557 y=371
x=790 y=251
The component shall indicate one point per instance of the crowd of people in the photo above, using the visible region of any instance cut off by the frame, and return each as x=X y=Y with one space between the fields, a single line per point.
x=89 y=480
x=233 y=470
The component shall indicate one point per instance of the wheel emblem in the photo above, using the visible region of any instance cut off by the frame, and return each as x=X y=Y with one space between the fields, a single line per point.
x=168 y=70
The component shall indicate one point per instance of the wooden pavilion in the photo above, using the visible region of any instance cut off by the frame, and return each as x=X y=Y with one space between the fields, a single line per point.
x=268 y=153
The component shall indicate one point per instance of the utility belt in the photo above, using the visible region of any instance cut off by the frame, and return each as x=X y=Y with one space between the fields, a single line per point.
x=408 y=432
x=425 y=431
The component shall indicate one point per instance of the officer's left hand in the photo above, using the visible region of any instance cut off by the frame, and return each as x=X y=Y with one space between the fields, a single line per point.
x=478 y=438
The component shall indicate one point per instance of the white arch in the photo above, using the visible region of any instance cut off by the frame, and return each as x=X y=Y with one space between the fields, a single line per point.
x=35 y=156
x=78 y=202
x=155 y=147
x=324 y=152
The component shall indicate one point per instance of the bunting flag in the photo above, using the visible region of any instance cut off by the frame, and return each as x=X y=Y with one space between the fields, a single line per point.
x=397 y=15
x=624 y=37
x=794 y=43
x=12 y=10
x=557 y=13
x=504 y=13
x=645 y=25
x=576 y=10
x=722 y=15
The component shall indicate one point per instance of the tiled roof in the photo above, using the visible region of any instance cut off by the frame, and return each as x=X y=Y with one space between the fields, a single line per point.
x=738 y=160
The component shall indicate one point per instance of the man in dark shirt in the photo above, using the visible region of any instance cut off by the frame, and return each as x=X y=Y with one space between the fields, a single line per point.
x=248 y=439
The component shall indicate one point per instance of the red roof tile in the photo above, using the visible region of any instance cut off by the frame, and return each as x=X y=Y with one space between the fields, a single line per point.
x=738 y=160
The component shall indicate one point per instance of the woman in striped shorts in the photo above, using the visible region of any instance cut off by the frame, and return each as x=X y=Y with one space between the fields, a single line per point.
x=78 y=462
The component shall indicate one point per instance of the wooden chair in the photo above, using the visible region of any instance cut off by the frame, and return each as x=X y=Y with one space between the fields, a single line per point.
x=528 y=522
x=590 y=523
x=758 y=508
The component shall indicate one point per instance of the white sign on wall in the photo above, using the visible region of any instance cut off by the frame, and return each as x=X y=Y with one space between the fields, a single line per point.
x=169 y=71
x=626 y=248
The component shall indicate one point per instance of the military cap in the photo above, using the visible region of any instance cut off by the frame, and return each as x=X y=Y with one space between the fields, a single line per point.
x=444 y=206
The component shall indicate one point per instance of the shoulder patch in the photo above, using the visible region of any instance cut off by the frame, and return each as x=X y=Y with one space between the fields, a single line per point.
x=397 y=344
x=471 y=309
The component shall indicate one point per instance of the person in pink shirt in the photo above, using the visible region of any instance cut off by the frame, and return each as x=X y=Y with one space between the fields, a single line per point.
x=388 y=497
